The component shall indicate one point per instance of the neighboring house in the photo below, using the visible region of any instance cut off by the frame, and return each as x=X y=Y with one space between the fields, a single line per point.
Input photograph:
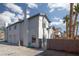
x=30 y=32
x=56 y=34
x=1 y=35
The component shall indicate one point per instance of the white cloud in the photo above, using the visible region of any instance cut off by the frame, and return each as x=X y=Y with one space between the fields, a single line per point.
x=57 y=21
x=14 y=8
x=28 y=16
x=27 y=11
x=6 y=16
x=51 y=10
x=58 y=6
x=9 y=14
x=5 y=19
x=32 y=5
x=20 y=16
x=15 y=20
x=9 y=17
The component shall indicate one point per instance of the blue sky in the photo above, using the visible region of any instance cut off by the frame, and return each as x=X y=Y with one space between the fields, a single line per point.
x=54 y=11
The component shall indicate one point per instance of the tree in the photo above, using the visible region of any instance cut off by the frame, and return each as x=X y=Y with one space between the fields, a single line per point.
x=71 y=14
x=77 y=23
x=76 y=15
x=66 y=19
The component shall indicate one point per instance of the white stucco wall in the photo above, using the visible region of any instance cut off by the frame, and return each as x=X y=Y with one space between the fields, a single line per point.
x=26 y=32
x=40 y=32
x=12 y=32
x=22 y=32
x=43 y=31
x=26 y=29
x=51 y=33
x=33 y=30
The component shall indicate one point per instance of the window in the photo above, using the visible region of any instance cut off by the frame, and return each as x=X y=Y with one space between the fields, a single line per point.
x=33 y=39
x=44 y=23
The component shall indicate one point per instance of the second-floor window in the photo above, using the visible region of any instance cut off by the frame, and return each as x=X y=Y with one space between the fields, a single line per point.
x=44 y=25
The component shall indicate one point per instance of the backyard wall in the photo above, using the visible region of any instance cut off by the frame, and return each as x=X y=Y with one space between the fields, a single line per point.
x=65 y=45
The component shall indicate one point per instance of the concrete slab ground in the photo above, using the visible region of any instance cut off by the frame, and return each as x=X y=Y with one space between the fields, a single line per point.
x=7 y=49
x=56 y=53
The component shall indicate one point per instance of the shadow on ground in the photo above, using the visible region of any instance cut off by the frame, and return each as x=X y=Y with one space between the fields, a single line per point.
x=6 y=43
x=56 y=53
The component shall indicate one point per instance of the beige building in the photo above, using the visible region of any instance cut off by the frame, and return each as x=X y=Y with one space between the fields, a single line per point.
x=56 y=34
x=1 y=35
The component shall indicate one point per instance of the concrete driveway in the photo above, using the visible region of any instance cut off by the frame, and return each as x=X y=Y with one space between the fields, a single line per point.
x=6 y=49
x=56 y=53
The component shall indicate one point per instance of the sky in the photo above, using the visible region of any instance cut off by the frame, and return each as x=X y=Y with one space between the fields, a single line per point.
x=11 y=13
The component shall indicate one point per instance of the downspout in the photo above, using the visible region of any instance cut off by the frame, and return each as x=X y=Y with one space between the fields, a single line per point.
x=43 y=31
x=19 y=34
x=5 y=32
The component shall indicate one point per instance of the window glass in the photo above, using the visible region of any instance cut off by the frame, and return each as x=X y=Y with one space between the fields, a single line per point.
x=33 y=39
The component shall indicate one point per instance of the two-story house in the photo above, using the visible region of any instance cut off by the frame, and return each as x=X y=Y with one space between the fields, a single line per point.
x=32 y=31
